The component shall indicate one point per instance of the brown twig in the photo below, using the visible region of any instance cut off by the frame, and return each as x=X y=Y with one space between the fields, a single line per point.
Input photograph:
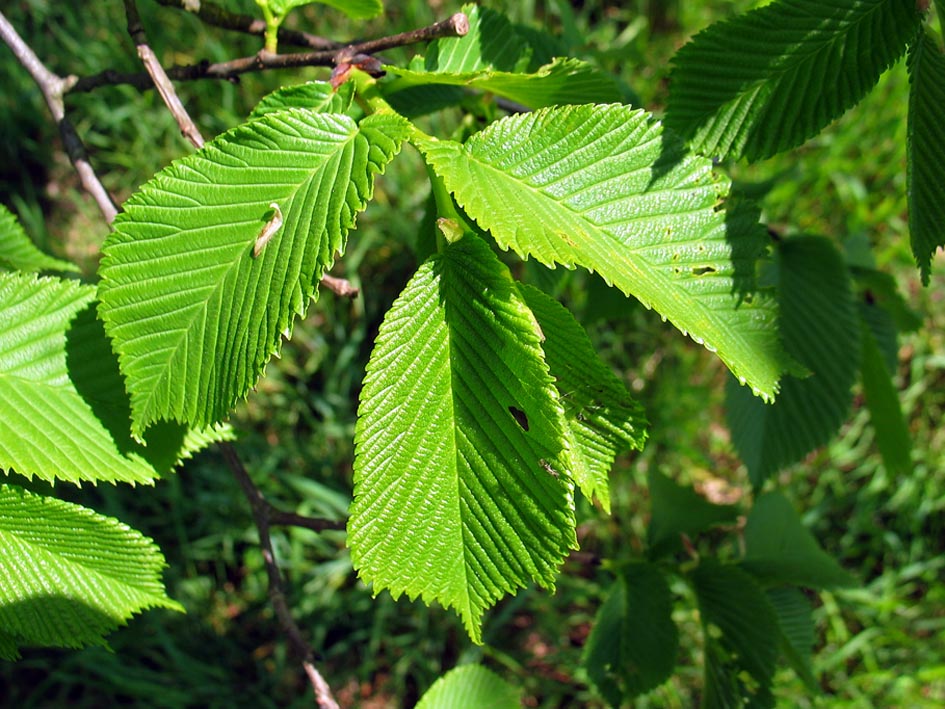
x=339 y=286
x=164 y=86
x=281 y=518
x=455 y=26
x=53 y=87
x=262 y=515
x=212 y=14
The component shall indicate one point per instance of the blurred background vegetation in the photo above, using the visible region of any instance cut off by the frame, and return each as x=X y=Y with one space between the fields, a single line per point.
x=880 y=645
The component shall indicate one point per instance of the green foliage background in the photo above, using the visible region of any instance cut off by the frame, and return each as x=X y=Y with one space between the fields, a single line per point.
x=883 y=643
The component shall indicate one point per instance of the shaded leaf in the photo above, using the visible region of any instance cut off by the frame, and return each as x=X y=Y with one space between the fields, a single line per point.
x=779 y=549
x=602 y=418
x=771 y=78
x=721 y=688
x=925 y=151
x=454 y=499
x=19 y=253
x=471 y=687
x=820 y=329
x=70 y=575
x=677 y=510
x=732 y=601
x=66 y=414
x=892 y=433
x=797 y=631
x=193 y=315
x=602 y=187
x=632 y=648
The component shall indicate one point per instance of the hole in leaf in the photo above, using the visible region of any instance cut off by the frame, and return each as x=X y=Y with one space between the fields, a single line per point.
x=519 y=416
x=702 y=270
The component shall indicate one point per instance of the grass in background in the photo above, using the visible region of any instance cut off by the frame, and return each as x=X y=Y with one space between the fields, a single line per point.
x=883 y=644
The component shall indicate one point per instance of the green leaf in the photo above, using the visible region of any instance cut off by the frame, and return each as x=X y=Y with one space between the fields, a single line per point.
x=563 y=81
x=193 y=315
x=491 y=43
x=925 y=151
x=882 y=400
x=721 y=686
x=773 y=77
x=70 y=575
x=471 y=687
x=677 y=510
x=797 y=631
x=602 y=418
x=497 y=57
x=316 y=96
x=356 y=9
x=780 y=550
x=462 y=490
x=731 y=601
x=602 y=187
x=66 y=414
x=632 y=648
x=820 y=329
x=18 y=253
x=880 y=289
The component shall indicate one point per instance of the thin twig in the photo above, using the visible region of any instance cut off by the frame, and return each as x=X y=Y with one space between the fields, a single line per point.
x=455 y=26
x=53 y=87
x=281 y=518
x=164 y=86
x=212 y=14
x=261 y=515
x=339 y=286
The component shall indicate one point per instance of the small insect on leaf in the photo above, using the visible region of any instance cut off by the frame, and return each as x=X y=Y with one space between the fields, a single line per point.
x=269 y=230
x=547 y=467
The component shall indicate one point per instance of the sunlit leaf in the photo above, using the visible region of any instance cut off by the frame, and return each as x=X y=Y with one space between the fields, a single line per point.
x=318 y=96
x=356 y=9
x=563 y=81
x=471 y=687
x=602 y=187
x=19 y=253
x=602 y=418
x=462 y=491
x=193 y=313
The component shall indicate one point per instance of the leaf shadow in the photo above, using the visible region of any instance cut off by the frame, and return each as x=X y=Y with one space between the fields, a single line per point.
x=746 y=237
x=52 y=620
x=93 y=369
